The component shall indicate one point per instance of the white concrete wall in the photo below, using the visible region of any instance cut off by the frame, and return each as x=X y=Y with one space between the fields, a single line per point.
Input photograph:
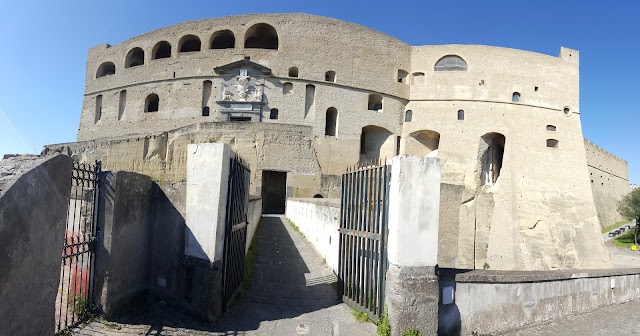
x=254 y=213
x=207 y=184
x=318 y=220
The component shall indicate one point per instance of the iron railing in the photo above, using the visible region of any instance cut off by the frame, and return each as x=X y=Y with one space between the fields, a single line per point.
x=363 y=237
x=235 y=229
x=75 y=290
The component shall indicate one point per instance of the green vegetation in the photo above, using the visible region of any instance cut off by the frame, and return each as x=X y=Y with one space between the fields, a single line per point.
x=411 y=332
x=250 y=261
x=486 y=266
x=615 y=226
x=360 y=316
x=626 y=240
x=80 y=306
x=384 y=328
x=629 y=207
x=294 y=227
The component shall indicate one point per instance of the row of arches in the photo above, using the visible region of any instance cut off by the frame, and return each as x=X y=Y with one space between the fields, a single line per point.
x=258 y=36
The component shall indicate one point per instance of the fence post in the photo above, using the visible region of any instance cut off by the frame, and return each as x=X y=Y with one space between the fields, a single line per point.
x=412 y=285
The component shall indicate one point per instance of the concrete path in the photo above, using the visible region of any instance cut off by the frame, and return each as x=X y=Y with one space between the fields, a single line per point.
x=619 y=320
x=291 y=293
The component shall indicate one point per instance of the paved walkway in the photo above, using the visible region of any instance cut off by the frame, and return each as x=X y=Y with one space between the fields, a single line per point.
x=619 y=320
x=291 y=293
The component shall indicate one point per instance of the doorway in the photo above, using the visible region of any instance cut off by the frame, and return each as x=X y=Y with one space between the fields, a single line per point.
x=274 y=192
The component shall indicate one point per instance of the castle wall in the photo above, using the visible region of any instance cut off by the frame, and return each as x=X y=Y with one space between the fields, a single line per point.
x=609 y=182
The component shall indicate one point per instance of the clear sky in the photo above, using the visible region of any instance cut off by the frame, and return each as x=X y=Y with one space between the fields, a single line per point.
x=43 y=49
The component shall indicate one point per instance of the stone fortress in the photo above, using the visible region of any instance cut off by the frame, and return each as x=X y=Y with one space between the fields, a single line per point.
x=302 y=97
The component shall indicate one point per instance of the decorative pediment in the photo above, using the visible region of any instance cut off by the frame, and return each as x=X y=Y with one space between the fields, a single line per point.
x=242 y=64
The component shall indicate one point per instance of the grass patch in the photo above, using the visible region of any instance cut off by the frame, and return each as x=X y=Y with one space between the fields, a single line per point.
x=411 y=332
x=625 y=240
x=294 y=227
x=250 y=261
x=384 y=327
x=616 y=225
x=360 y=316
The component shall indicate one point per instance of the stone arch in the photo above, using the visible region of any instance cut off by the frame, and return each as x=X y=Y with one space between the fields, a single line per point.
x=287 y=88
x=189 y=43
x=162 y=49
x=402 y=76
x=331 y=122
x=330 y=76
x=515 y=97
x=408 y=116
x=223 y=39
x=293 y=72
x=152 y=103
x=490 y=156
x=376 y=142
x=106 y=69
x=134 y=58
x=261 y=36
x=423 y=143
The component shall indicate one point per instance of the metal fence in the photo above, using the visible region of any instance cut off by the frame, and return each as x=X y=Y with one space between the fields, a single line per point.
x=75 y=290
x=363 y=237
x=235 y=229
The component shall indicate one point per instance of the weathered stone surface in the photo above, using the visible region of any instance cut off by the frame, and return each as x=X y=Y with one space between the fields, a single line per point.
x=34 y=201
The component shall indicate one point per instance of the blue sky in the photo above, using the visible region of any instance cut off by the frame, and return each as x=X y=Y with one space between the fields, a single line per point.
x=44 y=47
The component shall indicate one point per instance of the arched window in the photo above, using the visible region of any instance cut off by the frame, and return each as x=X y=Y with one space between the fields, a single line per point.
x=402 y=76
x=460 y=114
x=331 y=122
x=551 y=128
x=309 y=100
x=287 y=88
x=189 y=43
x=451 y=63
x=330 y=76
x=408 y=116
x=162 y=49
x=106 y=69
x=134 y=58
x=122 y=104
x=418 y=78
x=206 y=96
x=553 y=143
x=273 y=114
x=376 y=142
x=223 y=39
x=152 y=103
x=422 y=143
x=261 y=36
x=491 y=156
x=98 y=115
x=375 y=103
x=293 y=72
x=515 y=97
x=319 y=196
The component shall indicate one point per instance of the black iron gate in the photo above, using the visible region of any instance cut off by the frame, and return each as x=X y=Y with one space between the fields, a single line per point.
x=363 y=238
x=75 y=290
x=235 y=232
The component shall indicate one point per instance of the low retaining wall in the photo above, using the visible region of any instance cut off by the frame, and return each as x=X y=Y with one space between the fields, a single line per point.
x=253 y=216
x=487 y=302
x=318 y=220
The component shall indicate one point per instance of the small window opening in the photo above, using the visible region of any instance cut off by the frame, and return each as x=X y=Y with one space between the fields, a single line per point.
x=331 y=122
x=273 y=114
x=552 y=143
x=261 y=36
x=205 y=111
x=492 y=154
x=152 y=103
x=248 y=58
x=408 y=116
x=287 y=88
x=535 y=88
x=223 y=39
x=375 y=103
x=460 y=115
x=189 y=43
x=320 y=196
x=398 y=138
x=551 y=128
x=106 y=69
x=402 y=76
x=515 y=97
x=122 y=104
x=162 y=49
x=330 y=76
x=566 y=111
x=309 y=100
x=293 y=72
x=98 y=108
x=135 y=57
x=239 y=118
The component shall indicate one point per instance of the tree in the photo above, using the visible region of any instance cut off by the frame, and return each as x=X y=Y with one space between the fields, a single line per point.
x=629 y=207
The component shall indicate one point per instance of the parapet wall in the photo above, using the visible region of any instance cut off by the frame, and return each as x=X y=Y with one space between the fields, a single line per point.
x=609 y=182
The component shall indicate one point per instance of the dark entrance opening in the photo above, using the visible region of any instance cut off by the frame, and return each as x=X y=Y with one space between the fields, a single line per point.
x=274 y=191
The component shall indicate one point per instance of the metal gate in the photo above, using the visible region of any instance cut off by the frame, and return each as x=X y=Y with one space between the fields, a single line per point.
x=363 y=238
x=75 y=290
x=235 y=232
